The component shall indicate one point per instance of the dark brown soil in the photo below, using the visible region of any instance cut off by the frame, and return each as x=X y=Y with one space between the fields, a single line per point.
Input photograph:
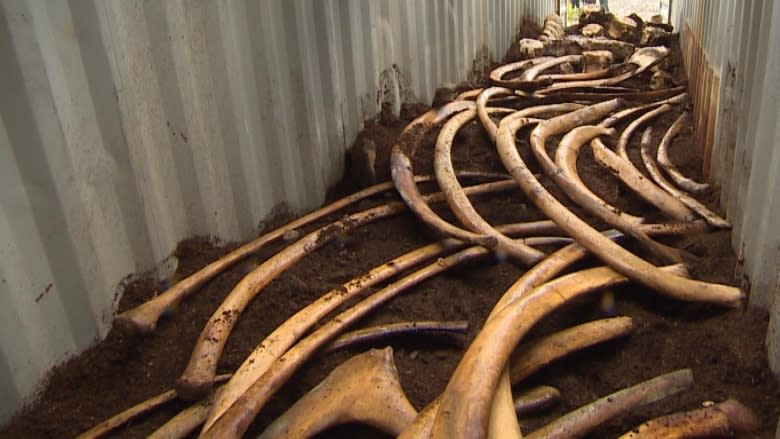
x=724 y=348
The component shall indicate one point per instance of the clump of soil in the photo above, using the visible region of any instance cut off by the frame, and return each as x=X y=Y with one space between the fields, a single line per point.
x=724 y=348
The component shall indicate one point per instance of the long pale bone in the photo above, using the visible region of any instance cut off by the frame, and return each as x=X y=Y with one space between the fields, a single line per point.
x=197 y=378
x=672 y=171
x=135 y=411
x=530 y=74
x=652 y=168
x=375 y=333
x=641 y=60
x=633 y=178
x=277 y=343
x=492 y=128
x=620 y=259
x=567 y=122
x=237 y=418
x=720 y=420
x=184 y=423
x=536 y=399
x=403 y=175
x=497 y=74
x=457 y=199
x=143 y=318
x=538 y=274
x=363 y=389
x=547 y=349
x=464 y=409
x=621 y=148
x=566 y=160
x=579 y=422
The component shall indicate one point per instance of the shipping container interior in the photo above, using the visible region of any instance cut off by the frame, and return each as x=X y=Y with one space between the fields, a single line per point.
x=127 y=126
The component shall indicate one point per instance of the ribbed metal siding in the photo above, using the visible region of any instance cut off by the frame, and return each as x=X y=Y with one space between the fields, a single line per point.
x=126 y=126
x=740 y=42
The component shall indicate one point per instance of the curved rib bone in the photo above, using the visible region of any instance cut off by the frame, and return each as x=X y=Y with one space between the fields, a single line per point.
x=363 y=389
x=530 y=74
x=464 y=409
x=641 y=60
x=538 y=274
x=184 y=423
x=566 y=159
x=459 y=202
x=237 y=418
x=671 y=170
x=283 y=337
x=620 y=149
x=143 y=318
x=719 y=420
x=375 y=333
x=597 y=207
x=536 y=399
x=135 y=411
x=492 y=128
x=197 y=378
x=614 y=255
x=581 y=421
x=647 y=157
x=633 y=178
x=552 y=347
x=498 y=73
x=403 y=175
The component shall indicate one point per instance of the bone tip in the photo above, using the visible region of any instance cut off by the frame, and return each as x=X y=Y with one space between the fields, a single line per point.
x=191 y=390
x=740 y=417
x=128 y=324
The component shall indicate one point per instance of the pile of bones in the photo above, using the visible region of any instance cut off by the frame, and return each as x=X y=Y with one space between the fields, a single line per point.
x=568 y=88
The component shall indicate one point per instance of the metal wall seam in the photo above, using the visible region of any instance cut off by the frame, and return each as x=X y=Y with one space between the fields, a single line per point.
x=127 y=126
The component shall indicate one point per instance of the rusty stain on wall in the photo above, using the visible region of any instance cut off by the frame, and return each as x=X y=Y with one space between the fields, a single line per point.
x=704 y=87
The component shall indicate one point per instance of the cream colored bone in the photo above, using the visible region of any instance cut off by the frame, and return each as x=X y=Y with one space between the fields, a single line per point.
x=234 y=421
x=652 y=168
x=579 y=422
x=497 y=74
x=641 y=60
x=614 y=255
x=197 y=378
x=283 y=337
x=143 y=318
x=532 y=72
x=539 y=353
x=720 y=420
x=491 y=127
x=363 y=389
x=464 y=409
x=579 y=193
x=626 y=171
x=672 y=171
x=457 y=199
x=538 y=274
x=566 y=160
x=402 y=172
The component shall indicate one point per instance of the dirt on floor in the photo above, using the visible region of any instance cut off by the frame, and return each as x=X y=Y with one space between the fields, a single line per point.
x=723 y=347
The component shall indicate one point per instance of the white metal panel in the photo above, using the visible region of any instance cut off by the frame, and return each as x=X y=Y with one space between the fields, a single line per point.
x=128 y=125
x=739 y=39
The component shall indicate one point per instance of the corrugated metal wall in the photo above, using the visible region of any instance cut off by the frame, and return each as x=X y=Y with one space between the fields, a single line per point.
x=126 y=126
x=737 y=44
